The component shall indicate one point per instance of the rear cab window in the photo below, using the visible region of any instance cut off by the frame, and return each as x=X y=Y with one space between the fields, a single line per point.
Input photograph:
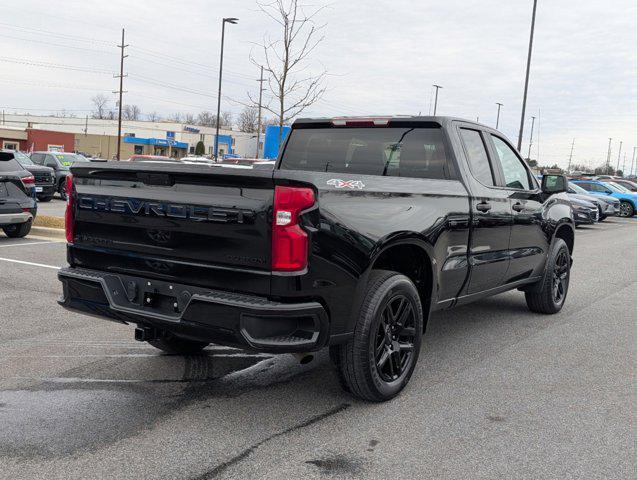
x=477 y=156
x=394 y=151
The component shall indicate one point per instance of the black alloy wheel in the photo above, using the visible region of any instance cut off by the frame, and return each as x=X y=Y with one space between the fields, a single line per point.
x=394 y=343
x=560 y=277
x=378 y=361
x=549 y=294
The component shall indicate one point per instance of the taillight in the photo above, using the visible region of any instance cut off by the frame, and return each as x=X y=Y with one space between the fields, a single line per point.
x=289 y=240
x=28 y=181
x=69 y=220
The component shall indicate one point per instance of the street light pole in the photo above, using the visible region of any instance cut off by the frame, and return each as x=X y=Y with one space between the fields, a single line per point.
x=438 y=87
x=497 y=120
x=632 y=164
x=526 y=81
x=570 y=157
x=223 y=34
x=610 y=140
x=531 y=137
x=619 y=155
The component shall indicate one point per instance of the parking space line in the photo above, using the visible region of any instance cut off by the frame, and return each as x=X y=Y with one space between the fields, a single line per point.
x=32 y=264
x=29 y=243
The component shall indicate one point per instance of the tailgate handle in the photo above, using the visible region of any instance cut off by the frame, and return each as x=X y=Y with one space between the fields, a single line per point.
x=161 y=179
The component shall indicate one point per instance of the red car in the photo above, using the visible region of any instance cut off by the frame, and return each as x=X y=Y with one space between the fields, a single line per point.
x=151 y=158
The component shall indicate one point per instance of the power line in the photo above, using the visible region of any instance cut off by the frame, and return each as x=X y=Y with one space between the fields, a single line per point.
x=56 y=44
x=34 y=63
x=55 y=34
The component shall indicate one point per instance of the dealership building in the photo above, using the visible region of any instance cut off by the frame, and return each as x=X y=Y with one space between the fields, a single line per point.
x=97 y=137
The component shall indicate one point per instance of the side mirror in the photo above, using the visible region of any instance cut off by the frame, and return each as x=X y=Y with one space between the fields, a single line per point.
x=554 y=184
x=609 y=192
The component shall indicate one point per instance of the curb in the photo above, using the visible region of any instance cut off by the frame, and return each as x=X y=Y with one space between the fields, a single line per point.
x=56 y=233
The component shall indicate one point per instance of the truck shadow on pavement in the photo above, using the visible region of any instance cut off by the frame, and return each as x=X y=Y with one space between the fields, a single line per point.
x=129 y=390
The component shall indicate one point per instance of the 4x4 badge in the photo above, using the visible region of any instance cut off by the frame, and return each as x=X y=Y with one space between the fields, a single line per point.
x=338 y=183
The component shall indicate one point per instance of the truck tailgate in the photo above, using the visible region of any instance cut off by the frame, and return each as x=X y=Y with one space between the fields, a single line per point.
x=199 y=225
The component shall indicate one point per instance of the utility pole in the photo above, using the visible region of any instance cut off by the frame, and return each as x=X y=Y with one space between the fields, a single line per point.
x=121 y=91
x=86 y=126
x=619 y=154
x=624 y=166
x=497 y=120
x=570 y=158
x=438 y=87
x=531 y=137
x=259 y=118
x=608 y=154
x=526 y=81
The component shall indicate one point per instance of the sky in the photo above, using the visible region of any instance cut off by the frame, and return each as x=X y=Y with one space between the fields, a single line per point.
x=382 y=57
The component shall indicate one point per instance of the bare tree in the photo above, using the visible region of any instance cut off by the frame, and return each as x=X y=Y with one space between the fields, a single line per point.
x=176 y=117
x=189 y=118
x=100 y=103
x=207 y=119
x=285 y=59
x=131 y=112
x=226 y=119
x=248 y=119
x=153 y=117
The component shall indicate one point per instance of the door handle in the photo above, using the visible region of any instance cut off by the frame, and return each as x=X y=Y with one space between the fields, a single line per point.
x=518 y=207
x=483 y=206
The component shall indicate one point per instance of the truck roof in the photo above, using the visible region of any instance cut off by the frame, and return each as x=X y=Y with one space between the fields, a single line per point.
x=383 y=120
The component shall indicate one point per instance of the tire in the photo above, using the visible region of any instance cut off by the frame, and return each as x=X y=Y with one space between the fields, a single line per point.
x=377 y=363
x=45 y=199
x=602 y=218
x=18 y=230
x=62 y=189
x=551 y=295
x=626 y=209
x=178 y=346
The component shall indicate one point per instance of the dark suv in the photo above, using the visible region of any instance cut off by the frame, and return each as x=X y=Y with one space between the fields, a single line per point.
x=44 y=177
x=17 y=206
x=60 y=162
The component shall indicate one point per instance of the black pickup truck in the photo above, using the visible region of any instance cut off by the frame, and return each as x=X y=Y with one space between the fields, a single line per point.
x=364 y=227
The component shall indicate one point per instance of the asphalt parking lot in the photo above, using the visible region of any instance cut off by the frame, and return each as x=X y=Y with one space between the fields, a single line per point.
x=499 y=392
x=54 y=208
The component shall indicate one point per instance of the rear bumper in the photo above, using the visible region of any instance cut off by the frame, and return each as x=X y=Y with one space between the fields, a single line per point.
x=200 y=314
x=13 y=218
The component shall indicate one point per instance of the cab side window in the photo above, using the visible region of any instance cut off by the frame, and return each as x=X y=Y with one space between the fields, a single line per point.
x=515 y=173
x=37 y=158
x=477 y=156
x=50 y=162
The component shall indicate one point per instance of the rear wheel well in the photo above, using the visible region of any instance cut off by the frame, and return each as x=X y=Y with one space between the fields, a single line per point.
x=413 y=262
x=566 y=233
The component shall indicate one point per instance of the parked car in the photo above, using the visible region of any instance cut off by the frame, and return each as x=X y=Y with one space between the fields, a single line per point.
x=198 y=160
x=364 y=227
x=44 y=177
x=18 y=207
x=584 y=212
x=11 y=165
x=627 y=184
x=151 y=158
x=628 y=200
x=607 y=205
x=60 y=162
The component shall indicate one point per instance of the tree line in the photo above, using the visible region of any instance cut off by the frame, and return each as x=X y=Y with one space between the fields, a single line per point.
x=246 y=121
